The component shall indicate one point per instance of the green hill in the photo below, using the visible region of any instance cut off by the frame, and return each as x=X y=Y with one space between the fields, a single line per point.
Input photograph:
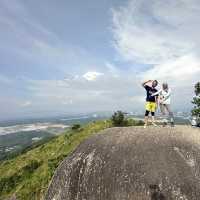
x=27 y=176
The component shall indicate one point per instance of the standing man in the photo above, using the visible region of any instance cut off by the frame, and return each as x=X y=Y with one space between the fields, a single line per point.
x=164 y=102
x=151 y=101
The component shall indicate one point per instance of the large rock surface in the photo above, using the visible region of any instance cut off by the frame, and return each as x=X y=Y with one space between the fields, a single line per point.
x=132 y=164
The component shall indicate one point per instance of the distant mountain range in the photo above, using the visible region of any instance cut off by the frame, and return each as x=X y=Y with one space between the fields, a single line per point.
x=17 y=135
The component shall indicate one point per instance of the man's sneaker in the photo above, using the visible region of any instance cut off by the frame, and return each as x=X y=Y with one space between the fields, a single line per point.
x=145 y=126
x=154 y=124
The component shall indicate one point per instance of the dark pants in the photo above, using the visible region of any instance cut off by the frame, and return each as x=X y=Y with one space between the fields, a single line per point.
x=147 y=113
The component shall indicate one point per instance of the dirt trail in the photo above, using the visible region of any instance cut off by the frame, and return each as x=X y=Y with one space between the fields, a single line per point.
x=132 y=164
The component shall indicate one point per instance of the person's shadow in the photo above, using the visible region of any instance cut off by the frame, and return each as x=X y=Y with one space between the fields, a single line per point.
x=156 y=193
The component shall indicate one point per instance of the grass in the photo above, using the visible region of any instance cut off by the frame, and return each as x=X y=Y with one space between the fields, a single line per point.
x=27 y=176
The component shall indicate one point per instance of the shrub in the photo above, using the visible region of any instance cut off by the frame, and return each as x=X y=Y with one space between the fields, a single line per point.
x=118 y=119
x=76 y=127
x=140 y=123
x=31 y=167
x=133 y=122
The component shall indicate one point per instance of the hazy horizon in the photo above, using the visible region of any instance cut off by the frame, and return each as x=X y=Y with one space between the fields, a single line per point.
x=91 y=56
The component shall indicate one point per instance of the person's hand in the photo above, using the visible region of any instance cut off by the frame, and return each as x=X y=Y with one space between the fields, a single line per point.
x=149 y=83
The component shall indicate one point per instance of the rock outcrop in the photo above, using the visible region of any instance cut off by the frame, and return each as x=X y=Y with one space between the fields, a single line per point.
x=132 y=164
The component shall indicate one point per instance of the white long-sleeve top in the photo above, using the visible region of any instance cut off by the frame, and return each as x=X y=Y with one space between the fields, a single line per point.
x=164 y=96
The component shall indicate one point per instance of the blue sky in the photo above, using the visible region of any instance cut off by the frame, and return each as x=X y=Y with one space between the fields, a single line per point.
x=84 y=56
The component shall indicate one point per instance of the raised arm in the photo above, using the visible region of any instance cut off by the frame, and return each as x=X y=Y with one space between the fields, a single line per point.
x=144 y=83
x=156 y=93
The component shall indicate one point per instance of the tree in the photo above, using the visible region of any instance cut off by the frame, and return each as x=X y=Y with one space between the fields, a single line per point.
x=118 y=119
x=196 y=101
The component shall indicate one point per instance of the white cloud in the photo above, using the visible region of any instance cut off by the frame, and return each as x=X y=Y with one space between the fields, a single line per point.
x=67 y=102
x=185 y=69
x=106 y=93
x=146 y=32
x=92 y=75
x=137 y=99
x=26 y=104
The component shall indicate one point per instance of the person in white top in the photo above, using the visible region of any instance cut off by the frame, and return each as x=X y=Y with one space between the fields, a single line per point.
x=164 y=101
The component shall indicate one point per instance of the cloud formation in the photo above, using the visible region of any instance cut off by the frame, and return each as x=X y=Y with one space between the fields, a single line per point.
x=92 y=76
x=145 y=32
x=26 y=104
x=49 y=65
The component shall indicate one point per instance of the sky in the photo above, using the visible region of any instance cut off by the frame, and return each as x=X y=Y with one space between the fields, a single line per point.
x=59 y=57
